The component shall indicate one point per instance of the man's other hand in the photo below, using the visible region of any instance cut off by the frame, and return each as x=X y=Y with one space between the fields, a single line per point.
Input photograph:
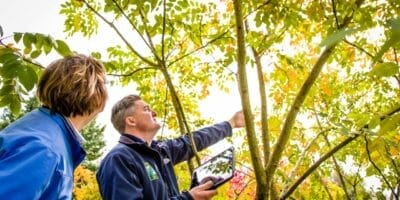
x=237 y=120
x=203 y=192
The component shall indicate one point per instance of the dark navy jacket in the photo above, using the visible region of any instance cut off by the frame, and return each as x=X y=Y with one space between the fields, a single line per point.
x=133 y=170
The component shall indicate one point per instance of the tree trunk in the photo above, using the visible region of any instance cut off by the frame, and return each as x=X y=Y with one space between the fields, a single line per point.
x=262 y=189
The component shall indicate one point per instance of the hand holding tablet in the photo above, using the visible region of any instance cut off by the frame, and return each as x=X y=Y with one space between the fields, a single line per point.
x=219 y=169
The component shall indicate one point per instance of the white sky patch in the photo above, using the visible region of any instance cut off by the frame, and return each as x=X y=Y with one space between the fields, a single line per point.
x=372 y=183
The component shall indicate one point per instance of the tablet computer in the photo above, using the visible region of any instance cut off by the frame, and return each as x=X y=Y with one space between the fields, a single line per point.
x=218 y=169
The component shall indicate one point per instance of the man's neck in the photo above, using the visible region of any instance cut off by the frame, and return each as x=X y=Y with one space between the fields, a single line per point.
x=145 y=136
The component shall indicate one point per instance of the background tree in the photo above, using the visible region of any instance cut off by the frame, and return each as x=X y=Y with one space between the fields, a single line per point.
x=94 y=144
x=85 y=184
x=7 y=117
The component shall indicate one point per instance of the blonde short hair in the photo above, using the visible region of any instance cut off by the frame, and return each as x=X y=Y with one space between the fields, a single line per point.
x=73 y=85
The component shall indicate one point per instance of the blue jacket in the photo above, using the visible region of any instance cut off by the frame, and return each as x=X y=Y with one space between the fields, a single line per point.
x=38 y=155
x=133 y=170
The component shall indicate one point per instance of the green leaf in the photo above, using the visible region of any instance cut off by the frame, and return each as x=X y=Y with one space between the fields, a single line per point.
x=4 y=101
x=374 y=122
x=109 y=66
x=96 y=55
x=17 y=37
x=1 y=31
x=390 y=124
x=6 y=89
x=10 y=69
x=28 y=78
x=393 y=39
x=62 y=48
x=27 y=50
x=395 y=25
x=39 y=40
x=5 y=51
x=15 y=105
x=35 y=54
x=336 y=37
x=7 y=55
x=386 y=69
x=28 y=39
x=47 y=45
x=8 y=99
x=388 y=43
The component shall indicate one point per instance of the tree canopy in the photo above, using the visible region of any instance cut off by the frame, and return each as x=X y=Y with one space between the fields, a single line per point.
x=327 y=121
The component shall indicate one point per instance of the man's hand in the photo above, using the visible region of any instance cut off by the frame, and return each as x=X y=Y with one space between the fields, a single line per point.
x=203 y=192
x=237 y=120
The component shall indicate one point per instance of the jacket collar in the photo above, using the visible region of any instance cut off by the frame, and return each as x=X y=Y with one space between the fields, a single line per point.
x=129 y=140
x=78 y=153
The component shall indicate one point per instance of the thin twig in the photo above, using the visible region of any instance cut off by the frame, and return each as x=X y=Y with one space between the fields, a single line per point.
x=359 y=48
x=130 y=22
x=199 y=48
x=377 y=168
x=120 y=35
x=133 y=72
x=335 y=13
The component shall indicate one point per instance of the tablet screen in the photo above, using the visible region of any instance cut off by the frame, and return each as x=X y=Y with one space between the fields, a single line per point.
x=219 y=169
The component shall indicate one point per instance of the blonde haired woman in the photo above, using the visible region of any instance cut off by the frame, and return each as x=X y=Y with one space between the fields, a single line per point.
x=39 y=152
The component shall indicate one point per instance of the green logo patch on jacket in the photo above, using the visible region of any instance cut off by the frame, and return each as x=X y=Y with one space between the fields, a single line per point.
x=150 y=171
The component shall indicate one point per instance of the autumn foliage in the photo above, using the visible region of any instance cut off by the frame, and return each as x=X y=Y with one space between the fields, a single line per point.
x=85 y=185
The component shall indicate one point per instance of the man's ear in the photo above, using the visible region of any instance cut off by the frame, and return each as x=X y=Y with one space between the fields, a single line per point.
x=130 y=121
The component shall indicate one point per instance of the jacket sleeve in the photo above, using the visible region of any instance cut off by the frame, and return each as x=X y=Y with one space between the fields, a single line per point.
x=117 y=180
x=183 y=196
x=26 y=170
x=180 y=149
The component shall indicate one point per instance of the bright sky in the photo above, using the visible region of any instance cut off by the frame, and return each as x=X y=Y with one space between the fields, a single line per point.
x=43 y=16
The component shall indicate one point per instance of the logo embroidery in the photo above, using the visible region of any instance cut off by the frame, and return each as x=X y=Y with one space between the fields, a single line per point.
x=150 y=171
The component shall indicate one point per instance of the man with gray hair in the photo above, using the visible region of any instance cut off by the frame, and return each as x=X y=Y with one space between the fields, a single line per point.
x=139 y=167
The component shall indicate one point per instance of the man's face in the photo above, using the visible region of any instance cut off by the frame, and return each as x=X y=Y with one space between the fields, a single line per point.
x=145 y=118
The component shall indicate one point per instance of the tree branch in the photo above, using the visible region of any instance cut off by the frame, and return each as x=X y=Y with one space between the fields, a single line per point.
x=316 y=165
x=163 y=31
x=199 y=48
x=25 y=59
x=257 y=8
x=358 y=47
x=324 y=185
x=299 y=160
x=290 y=119
x=377 y=168
x=330 y=153
x=120 y=35
x=337 y=167
x=218 y=37
x=153 y=49
x=133 y=72
x=397 y=62
x=131 y=23
x=335 y=13
x=289 y=122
